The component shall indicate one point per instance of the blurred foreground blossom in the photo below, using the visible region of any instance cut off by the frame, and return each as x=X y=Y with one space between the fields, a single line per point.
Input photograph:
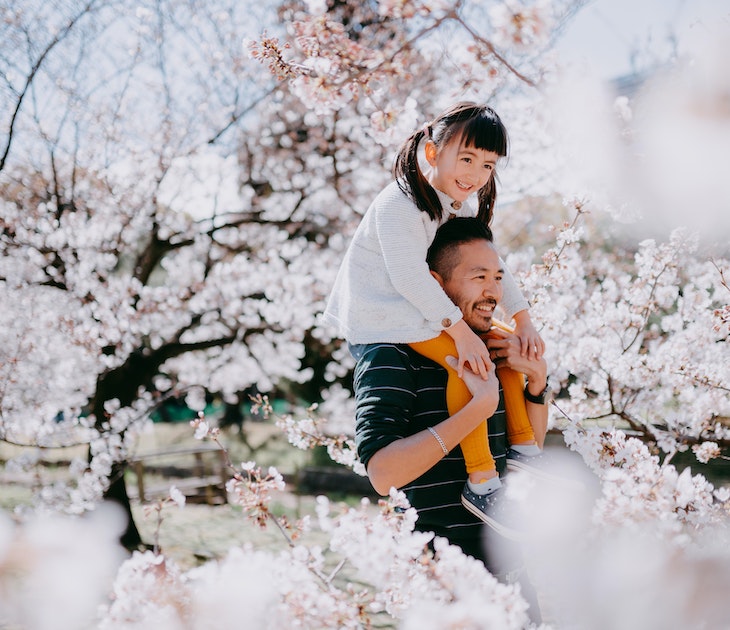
x=372 y=564
x=55 y=571
x=639 y=546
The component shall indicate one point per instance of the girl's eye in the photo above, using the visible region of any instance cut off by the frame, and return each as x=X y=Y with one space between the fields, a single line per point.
x=489 y=167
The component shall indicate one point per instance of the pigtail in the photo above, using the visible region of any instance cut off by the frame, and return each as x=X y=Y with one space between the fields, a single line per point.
x=487 y=196
x=410 y=178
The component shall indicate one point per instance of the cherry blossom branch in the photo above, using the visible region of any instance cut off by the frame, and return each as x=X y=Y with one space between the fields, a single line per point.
x=722 y=314
x=57 y=39
x=552 y=257
x=493 y=51
x=251 y=490
x=646 y=310
x=306 y=434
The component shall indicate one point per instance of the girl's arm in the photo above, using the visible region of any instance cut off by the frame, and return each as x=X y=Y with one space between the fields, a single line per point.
x=531 y=343
x=512 y=299
x=404 y=234
x=515 y=306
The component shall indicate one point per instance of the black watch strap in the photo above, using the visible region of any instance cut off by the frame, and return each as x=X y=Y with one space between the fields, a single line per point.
x=540 y=398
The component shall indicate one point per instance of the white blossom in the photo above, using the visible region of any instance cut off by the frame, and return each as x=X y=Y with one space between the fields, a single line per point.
x=177 y=497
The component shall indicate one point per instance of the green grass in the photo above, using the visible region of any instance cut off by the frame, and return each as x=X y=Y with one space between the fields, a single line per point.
x=194 y=533
x=197 y=533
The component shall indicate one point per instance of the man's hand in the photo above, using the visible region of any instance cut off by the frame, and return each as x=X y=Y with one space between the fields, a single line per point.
x=505 y=349
x=486 y=390
x=471 y=351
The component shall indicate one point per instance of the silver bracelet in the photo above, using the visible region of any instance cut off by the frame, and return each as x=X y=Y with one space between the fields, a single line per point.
x=439 y=440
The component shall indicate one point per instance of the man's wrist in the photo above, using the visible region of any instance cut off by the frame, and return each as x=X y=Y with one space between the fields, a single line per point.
x=536 y=393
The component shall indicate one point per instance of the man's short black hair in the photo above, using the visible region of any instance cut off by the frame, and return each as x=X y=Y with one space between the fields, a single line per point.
x=441 y=256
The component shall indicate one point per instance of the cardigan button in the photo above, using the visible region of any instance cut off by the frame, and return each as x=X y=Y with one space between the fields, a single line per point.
x=446 y=322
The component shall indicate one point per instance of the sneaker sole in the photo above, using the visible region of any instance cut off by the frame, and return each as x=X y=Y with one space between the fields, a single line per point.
x=497 y=527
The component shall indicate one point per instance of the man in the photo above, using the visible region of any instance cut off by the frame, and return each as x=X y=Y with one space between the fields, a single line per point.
x=404 y=433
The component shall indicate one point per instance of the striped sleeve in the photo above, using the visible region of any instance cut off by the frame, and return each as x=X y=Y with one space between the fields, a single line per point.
x=385 y=399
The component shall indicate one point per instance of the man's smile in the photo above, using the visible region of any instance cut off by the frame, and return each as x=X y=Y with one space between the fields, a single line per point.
x=486 y=307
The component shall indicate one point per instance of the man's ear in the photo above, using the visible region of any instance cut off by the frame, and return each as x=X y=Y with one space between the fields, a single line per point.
x=439 y=279
x=431 y=151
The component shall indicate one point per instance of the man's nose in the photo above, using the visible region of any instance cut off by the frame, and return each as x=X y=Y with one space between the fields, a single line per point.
x=490 y=290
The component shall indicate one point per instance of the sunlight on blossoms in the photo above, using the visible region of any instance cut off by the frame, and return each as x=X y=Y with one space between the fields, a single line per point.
x=588 y=136
x=388 y=127
x=316 y=7
x=520 y=26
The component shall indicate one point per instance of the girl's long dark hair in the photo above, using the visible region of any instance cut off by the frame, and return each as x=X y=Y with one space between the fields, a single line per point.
x=475 y=126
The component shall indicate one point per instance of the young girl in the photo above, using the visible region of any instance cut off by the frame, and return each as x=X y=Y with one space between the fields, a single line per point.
x=385 y=293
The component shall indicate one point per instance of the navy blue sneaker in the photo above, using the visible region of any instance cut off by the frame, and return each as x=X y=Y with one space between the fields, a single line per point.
x=494 y=510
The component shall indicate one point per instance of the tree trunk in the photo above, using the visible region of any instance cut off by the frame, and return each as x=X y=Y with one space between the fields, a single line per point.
x=117 y=493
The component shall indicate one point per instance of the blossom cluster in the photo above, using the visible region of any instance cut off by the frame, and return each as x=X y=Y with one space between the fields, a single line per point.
x=330 y=66
x=374 y=567
x=636 y=342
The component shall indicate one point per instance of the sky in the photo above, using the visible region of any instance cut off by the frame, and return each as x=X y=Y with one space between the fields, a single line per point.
x=604 y=33
x=661 y=155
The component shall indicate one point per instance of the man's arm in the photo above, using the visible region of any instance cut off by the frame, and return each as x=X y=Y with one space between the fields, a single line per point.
x=505 y=349
x=406 y=457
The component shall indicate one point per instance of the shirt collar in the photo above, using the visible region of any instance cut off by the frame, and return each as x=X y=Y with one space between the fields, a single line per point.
x=465 y=210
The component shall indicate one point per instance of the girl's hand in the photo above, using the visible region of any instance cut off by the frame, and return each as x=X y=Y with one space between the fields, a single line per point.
x=471 y=350
x=486 y=390
x=531 y=344
x=504 y=348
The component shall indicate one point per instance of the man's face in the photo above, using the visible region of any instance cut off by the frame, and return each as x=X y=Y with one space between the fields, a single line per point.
x=475 y=285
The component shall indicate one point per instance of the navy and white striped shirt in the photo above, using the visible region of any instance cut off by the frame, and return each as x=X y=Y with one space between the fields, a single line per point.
x=398 y=393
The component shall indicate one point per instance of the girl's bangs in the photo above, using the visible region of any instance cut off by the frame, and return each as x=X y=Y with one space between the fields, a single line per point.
x=483 y=132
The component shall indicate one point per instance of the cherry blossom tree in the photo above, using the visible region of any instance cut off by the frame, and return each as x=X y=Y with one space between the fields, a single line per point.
x=155 y=240
x=172 y=216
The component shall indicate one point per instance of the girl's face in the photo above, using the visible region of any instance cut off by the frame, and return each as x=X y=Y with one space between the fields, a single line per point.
x=458 y=170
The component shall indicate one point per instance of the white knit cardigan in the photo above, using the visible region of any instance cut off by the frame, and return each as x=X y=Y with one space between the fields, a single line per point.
x=384 y=291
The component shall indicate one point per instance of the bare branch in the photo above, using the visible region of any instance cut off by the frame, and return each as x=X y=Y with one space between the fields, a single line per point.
x=58 y=38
